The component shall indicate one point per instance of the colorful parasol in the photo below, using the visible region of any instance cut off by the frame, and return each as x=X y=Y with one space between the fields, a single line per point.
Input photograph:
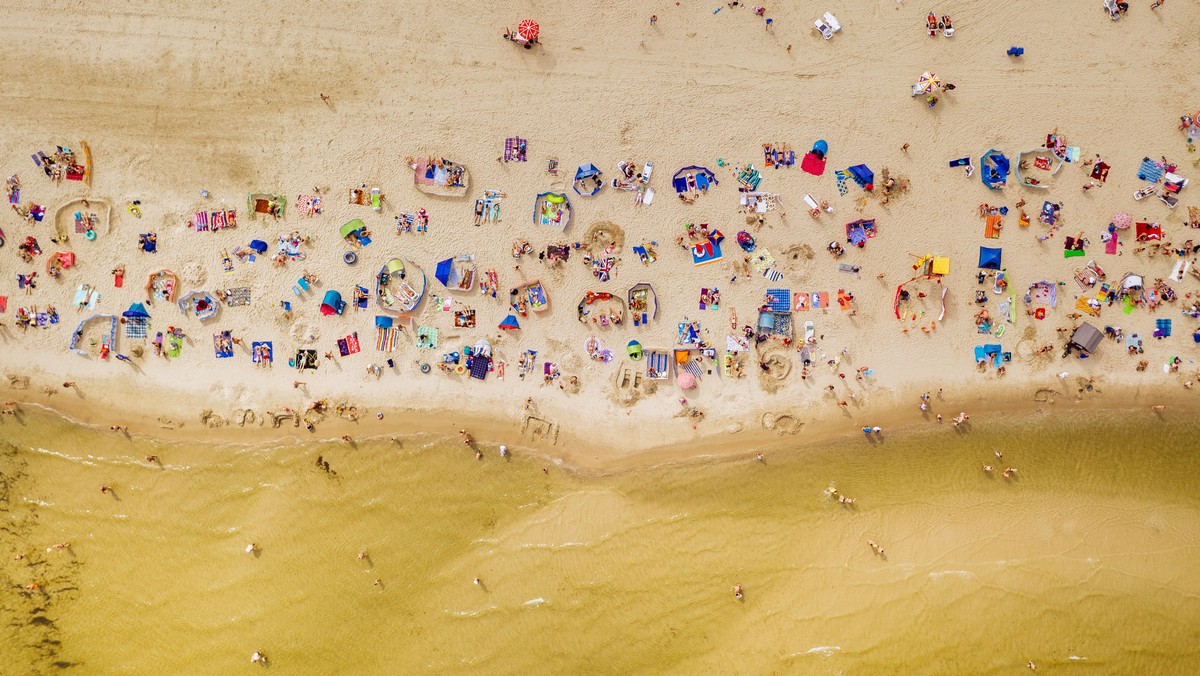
x=528 y=29
x=929 y=83
x=1122 y=220
x=685 y=380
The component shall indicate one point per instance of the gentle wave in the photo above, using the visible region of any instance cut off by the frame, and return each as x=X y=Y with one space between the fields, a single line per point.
x=825 y=650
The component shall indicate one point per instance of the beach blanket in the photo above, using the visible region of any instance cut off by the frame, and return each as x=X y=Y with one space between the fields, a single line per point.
x=800 y=301
x=238 y=296
x=1150 y=170
x=1162 y=328
x=480 y=365
x=136 y=327
x=3 y=304
x=86 y=297
x=427 y=337
x=305 y=359
x=778 y=300
x=1149 y=232
x=174 y=346
x=1083 y=306
x=262 y=351
x=309 y=205
x=1135 y=341
x=812 y=164
x=710 y=294
x=222 y=346
x=386 y=340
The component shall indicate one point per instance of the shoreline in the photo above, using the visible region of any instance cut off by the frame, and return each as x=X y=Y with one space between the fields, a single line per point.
x=713 y=440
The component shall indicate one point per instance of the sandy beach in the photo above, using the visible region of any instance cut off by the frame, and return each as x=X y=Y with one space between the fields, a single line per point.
x=175 y=104
x=175 y=502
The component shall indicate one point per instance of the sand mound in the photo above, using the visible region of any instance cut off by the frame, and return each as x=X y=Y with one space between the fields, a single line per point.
x=781 y=423
x=602 y=235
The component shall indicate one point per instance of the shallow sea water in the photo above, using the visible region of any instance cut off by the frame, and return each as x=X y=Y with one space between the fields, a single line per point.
x=1087 y=562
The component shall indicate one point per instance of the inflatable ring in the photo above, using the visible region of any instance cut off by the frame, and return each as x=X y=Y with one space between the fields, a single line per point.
x=350 y=258
x=460 y=369
x=424 y=368
x=90 y=235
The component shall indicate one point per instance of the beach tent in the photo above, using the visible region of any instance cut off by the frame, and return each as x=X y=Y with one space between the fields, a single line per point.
x=989 y=257
x=702 y=174
x=584 y=172
x=1086 y=337
x=332 y=304
x=354 y=229
x=553 y=209
x=863 y=176
x=457 y=272
x=202 y=303
x=136 y=311
x=383 y=322
x=994 y=168
x=510 y=323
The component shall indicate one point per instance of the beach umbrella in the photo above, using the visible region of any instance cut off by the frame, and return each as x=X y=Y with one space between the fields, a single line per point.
x=528 y=29
x=510 y=323
x=685 y=380
x=1122 y=219
x=929 y=83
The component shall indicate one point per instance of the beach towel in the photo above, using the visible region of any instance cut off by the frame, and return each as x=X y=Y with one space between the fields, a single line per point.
x=992 y=227
x=174 y=346
x=1133 y=340
x=86 y=297
x=1149 y=232
x=3 y=304
x=800 y=301
x=386 y=340
x=844 y=300
x=1162 y=328
x=262 y=351
x=812 y=164
x=1083 y=306
x=819 y=299
x=200 y=221
x=843 y=178
x=1110 y=247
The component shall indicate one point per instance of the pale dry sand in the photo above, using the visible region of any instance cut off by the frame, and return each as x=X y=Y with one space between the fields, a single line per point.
x=227 y=99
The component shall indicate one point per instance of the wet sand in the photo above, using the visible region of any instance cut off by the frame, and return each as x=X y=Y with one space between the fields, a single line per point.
x=1090 y=554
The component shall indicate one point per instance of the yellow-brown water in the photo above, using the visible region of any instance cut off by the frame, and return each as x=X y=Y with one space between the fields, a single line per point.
x=1087 y=563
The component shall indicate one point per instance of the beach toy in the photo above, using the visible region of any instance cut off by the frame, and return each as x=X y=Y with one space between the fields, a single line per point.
x=424 y=368
x=350 y=258
x=635 y=350
x=460 y=369
x=90 y=235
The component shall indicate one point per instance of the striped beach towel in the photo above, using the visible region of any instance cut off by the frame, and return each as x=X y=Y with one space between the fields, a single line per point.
x=386 y=340
x=200 y=221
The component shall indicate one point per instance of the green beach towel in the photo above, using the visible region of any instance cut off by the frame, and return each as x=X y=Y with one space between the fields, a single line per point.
x=174 y=347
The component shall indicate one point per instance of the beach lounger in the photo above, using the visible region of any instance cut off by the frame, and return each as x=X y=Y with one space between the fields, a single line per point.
x=825 y=29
